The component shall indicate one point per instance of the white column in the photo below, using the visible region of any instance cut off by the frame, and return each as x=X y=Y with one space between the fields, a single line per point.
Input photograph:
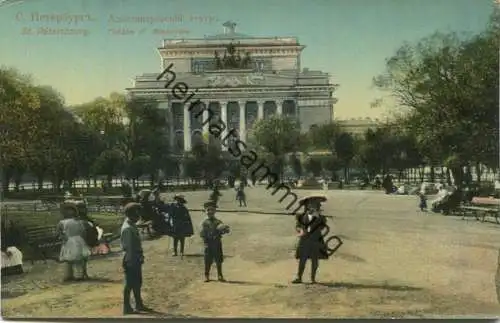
x=187 y=128
x=223 y=116
x=243 y=119
x=260 y=111
x=171 y=125
x=205 y=118
x=279 y=107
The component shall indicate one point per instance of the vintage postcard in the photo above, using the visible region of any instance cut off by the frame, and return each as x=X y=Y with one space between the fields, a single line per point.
x=249 y=159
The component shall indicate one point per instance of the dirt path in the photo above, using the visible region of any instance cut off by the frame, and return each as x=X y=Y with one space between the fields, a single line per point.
x=396 y=262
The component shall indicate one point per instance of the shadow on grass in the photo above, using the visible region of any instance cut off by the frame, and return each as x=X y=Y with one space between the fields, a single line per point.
x=349 y=257
x=95 y=280
x=250 y=283
x=200 y=255
x=369 y=286
x=7 y=294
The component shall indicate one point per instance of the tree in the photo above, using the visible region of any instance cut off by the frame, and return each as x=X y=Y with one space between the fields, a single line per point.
x=340 y=144
x=313 y=165
x=345 y=149
x=277 y=136
x=111 y=162
x=19 y=103
x=449 y=84
x=296 y=164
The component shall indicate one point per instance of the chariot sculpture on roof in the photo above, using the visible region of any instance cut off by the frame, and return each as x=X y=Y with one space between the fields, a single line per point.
x=232 y=59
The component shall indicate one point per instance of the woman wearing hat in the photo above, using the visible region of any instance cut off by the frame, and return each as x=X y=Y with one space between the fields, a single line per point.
x=74 y=251
x=311 y=244
x=182 y=226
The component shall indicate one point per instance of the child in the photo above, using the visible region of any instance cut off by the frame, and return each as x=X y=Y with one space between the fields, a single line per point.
x=423 y=201
x=240 y=195
x=211 y=232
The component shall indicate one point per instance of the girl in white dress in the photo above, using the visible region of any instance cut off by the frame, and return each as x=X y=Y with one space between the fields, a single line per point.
x=74 y=251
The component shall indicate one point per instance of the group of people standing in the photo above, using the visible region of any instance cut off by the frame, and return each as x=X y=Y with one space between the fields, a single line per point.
x=211 y=232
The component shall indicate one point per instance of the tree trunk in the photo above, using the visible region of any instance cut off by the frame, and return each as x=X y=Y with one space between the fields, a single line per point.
x=458 y=176
x=39 y=180
x=421 y=173
x=448 y=176
x=346 y=174
x=433 y=174
x=478 y=172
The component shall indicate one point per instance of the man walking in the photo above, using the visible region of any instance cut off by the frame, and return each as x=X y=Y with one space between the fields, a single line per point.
x=132 y=260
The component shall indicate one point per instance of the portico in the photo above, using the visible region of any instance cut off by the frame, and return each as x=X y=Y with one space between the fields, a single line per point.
x=239 y=114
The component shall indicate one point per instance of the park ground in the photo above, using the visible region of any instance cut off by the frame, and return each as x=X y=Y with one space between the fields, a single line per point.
x=395 y=262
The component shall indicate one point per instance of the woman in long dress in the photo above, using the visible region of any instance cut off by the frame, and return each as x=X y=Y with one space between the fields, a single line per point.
x=74 y=251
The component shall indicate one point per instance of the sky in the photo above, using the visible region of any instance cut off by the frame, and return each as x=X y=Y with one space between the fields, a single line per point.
x=350 y=39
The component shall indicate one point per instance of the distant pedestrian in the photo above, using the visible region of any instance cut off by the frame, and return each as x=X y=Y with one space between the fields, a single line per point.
x=215 y=195
x=133 y=260
x=423 y=201
x=240 y=195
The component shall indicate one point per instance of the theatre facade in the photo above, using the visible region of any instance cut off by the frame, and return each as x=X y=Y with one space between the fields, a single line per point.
x=241 y=79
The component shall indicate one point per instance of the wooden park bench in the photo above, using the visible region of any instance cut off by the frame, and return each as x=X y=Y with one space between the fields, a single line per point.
x=479 y=212
x=104 y=204
x=51 y=202
x=43 y=241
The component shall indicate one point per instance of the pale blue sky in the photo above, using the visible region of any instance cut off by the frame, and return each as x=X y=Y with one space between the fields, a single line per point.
x=350 y=39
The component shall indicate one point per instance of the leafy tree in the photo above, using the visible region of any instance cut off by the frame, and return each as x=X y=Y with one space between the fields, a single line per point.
x=19 y=103
x=313 y=165
x=296 y=164
x=111 y=162
x=277 y=136
x=449 y=84
x=345 y=149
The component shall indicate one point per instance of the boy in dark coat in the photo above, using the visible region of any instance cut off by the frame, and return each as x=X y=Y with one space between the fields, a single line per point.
x=182 y=224
x=211 y=232
x=132 y=260
x=311 y=244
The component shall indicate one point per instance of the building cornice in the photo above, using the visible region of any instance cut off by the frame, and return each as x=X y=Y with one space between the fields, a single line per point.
x=255 y=51
x=266 y=89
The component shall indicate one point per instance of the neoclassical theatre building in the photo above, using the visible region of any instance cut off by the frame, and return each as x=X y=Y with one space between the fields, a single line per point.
x=241 y=79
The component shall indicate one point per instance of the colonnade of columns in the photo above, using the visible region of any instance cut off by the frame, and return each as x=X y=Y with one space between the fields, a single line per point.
x=241 y=124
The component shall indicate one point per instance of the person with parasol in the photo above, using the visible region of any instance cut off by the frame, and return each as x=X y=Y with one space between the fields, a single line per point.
x=311 y=245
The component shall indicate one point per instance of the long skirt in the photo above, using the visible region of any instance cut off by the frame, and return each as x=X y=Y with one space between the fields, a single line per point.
x=12 y=264
x=310 y=248
x=74 y=250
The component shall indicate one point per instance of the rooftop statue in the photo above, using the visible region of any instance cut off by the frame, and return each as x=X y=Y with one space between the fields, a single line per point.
x=232 y=59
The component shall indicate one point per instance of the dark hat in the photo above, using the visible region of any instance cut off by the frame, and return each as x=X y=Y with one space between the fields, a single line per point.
x=180 y=198
x=312 y=199
x=131 y=208
x=208 y=204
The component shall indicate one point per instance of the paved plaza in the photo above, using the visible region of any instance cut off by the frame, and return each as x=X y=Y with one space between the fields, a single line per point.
x=395 y=262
